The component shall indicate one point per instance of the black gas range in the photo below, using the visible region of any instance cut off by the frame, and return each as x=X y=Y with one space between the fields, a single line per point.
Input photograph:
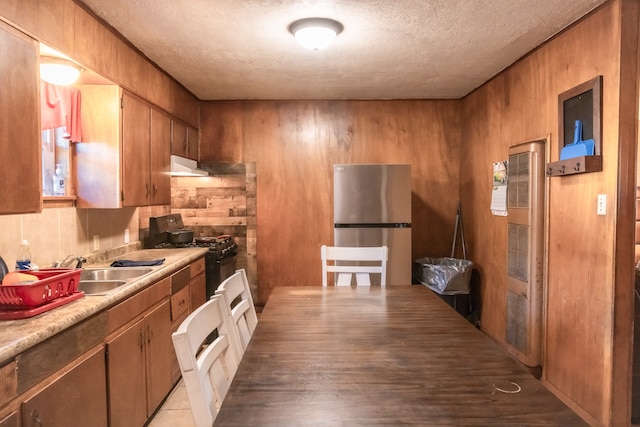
x=168 y=231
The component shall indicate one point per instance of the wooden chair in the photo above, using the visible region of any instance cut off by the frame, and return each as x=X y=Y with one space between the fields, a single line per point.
x=207 y=369
x=361 y=261
x=237 y=295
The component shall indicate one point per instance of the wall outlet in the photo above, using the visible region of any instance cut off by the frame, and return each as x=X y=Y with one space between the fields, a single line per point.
x=126 y=235
x=96 y=242
x=602 y=204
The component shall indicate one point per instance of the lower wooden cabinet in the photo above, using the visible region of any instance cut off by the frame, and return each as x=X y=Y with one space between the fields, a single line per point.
x=188 y=292
x=77 y=398
x=139 y=368
x=198 y=284
x=10 y=420
x=113 y=369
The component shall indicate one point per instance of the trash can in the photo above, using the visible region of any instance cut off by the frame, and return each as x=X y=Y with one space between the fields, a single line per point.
x=449 y=278
x=445 y=276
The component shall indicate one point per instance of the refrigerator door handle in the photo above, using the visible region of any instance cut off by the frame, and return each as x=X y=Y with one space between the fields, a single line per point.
x=373 y=225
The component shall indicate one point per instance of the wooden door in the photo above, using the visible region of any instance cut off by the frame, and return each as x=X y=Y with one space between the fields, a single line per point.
x=158 y=356
x=136 y=119
x=160 y=158
x=193 y=147
x=126 y=377
x=178 y=138
x=78 y=398
x=20 y=173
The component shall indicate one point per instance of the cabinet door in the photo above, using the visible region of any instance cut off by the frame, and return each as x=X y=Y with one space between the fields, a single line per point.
x=178 y=139
x=78 y=398
x=97 y=160
x=198 y=291
x=126 y=377
x=20 y=174
x=193 y=147
x=159 y=356
x=136 y=120
x=10 y=420
x=160 y=148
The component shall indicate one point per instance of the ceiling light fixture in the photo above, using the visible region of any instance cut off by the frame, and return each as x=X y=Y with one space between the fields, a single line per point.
x=59 y=71
x=315 y=33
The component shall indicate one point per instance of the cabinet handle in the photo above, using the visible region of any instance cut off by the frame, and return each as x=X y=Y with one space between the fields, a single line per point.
x=155 y=189
x=182 y=302
x=36 y=419
x=147 y=190
x=141 y=339
x=149 y=334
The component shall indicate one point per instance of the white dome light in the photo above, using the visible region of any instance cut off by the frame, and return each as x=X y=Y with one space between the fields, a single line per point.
x=59 y=71
x=315 y=33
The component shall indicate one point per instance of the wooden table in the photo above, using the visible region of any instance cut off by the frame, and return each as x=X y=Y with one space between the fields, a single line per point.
x=379 y=357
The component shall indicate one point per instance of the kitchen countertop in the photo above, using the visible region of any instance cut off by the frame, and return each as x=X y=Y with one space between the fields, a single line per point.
x=19 y=335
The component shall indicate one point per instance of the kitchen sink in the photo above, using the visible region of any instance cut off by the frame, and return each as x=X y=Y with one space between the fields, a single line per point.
x=102 y=280
x=96 y=287
x=113 y=273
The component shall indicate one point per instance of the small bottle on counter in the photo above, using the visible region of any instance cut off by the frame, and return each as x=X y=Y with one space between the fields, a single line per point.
x=58 y=182
x=23 y=258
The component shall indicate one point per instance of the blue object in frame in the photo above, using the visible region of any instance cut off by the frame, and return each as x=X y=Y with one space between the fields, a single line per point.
x=578 y=147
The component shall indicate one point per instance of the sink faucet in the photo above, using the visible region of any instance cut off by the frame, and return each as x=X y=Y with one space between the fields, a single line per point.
x=79 y=260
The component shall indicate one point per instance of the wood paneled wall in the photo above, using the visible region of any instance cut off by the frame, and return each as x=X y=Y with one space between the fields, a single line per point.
x=583 y=293
x=589 y=278
x=222 y=203
x=296 y=144
x=69 y=28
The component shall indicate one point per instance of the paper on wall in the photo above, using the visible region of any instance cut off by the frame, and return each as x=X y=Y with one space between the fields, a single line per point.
x=500 y=180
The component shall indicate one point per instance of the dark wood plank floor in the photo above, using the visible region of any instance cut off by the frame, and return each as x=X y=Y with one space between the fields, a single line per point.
x=379 y=357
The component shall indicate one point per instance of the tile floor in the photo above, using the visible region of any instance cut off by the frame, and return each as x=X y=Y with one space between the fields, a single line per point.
x=175 y=412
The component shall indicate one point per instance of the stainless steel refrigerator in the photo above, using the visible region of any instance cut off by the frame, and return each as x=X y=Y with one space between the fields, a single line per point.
x=372 y=207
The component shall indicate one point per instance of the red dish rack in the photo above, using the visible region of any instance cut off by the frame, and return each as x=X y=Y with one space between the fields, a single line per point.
x=54 y=287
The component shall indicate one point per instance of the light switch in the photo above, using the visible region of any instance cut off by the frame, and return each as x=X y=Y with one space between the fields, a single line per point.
x=602 y=204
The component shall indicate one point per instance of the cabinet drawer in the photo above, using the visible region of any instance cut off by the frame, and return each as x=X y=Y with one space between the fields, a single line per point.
x=8 y=383
x=196 y=267
x=180 y=279
x=129 y=309
x=180 y=303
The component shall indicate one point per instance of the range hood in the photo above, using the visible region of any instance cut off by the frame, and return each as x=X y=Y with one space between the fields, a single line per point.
x=181 y=166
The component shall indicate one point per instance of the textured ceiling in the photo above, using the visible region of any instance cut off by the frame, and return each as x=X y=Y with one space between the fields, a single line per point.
x=389 y=49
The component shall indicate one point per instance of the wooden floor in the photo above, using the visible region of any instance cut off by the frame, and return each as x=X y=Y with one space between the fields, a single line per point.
x=379 y=357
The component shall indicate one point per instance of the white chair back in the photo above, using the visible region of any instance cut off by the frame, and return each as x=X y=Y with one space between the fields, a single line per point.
x=361 y=261
x=237 y=295
x=207 y=369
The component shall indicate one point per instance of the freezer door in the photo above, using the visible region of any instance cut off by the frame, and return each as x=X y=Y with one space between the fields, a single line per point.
x=372 y=194
x=398 y=240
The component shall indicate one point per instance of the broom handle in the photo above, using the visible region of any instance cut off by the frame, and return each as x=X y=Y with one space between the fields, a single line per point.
x=455 y=234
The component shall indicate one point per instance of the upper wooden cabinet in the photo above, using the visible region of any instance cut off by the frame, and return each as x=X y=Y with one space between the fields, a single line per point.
x=160 y=158
x=145 y=154
x=20 y=175
x=184 y=140
x=125 y=160
x=178 y=138
x=193 y=146
x=136 y=131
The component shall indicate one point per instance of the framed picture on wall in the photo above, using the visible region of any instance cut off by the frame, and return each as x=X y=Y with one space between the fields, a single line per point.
x=579 y=120
x=583 y=103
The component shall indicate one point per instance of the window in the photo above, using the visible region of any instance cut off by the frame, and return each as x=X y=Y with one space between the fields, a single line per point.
x=56 y=164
